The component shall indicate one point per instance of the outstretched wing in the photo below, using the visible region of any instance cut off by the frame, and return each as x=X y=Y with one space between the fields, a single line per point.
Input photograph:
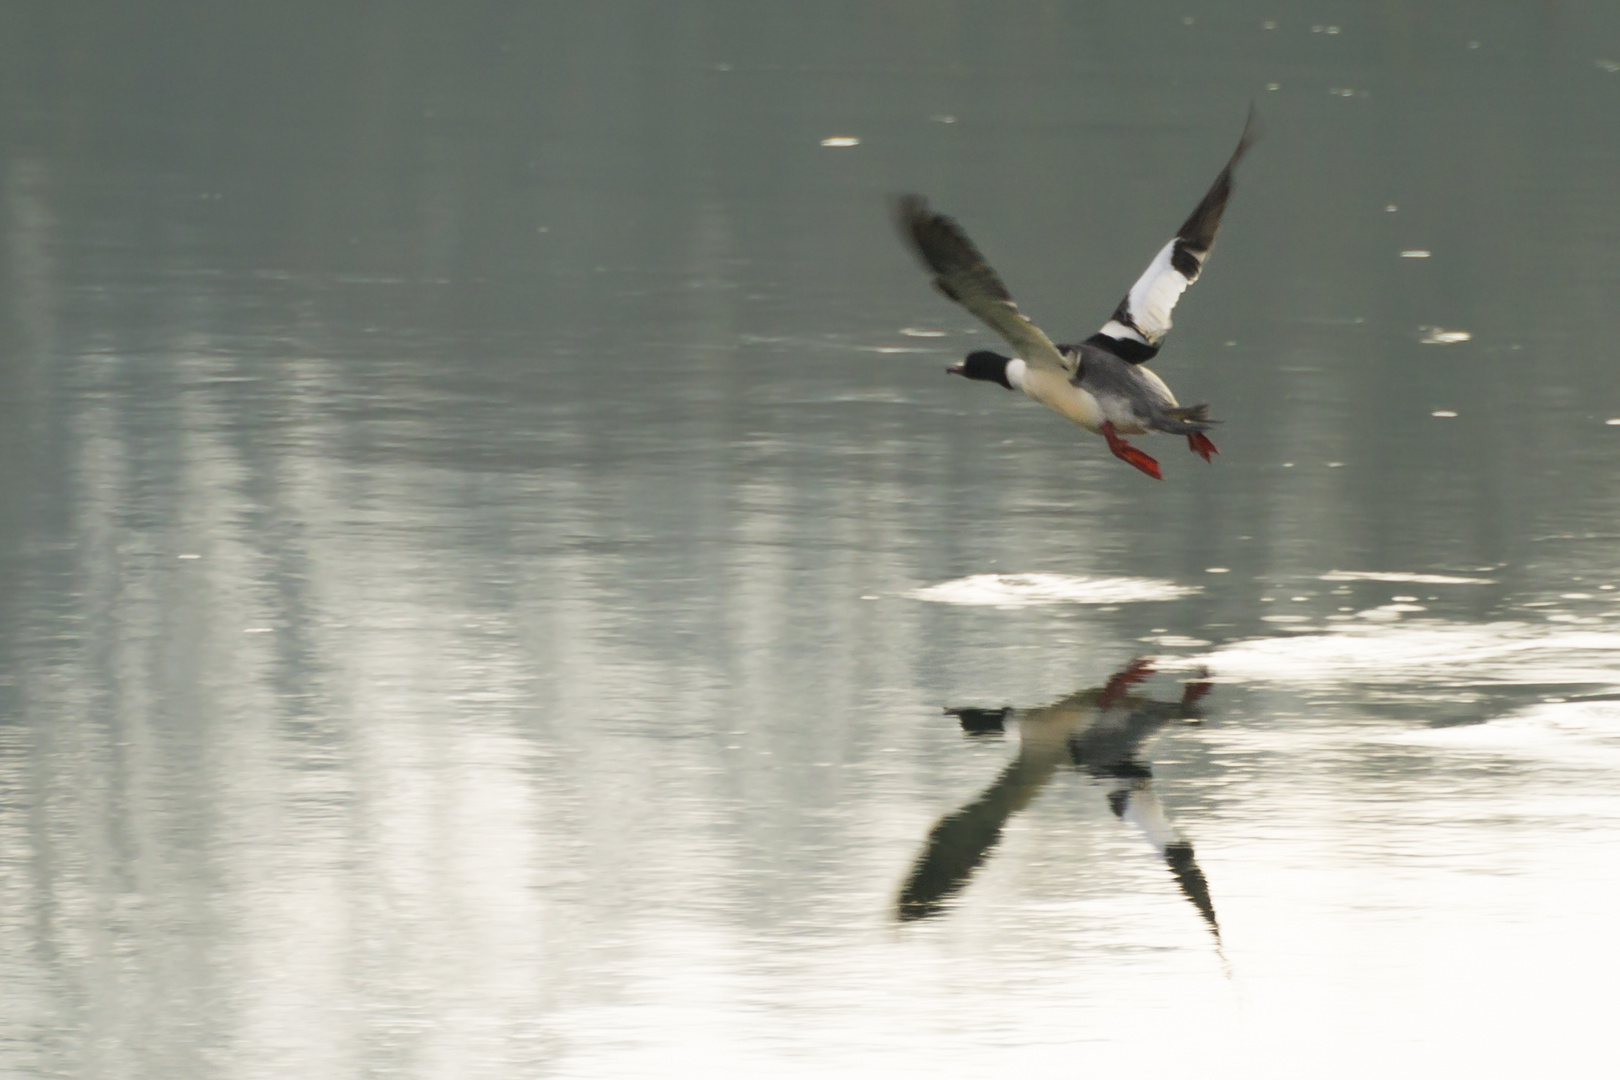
x=1142 y=319
x=962 y=274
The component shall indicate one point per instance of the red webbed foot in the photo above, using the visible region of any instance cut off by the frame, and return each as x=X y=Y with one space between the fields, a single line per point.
x=1199 y=444
x=1128 y=453
x=1192 y=693
x=1121 y=681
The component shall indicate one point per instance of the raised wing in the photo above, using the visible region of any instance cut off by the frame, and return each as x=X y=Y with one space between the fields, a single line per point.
x=963 y=275
x=1142 y=319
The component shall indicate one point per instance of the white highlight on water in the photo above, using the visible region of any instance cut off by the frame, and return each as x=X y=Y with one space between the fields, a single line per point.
x=1406 y=578
x=1430 y=652
x=1029 y=590
x=1434 y=335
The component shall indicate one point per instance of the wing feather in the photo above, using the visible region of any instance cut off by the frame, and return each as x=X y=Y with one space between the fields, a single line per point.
x=963 y=275
x=1142 y=319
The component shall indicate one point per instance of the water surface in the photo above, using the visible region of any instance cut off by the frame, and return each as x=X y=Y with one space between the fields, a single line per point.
x=496 y=580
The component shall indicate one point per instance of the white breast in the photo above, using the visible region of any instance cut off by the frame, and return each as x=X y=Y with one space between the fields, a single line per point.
x=1078 y=406
x=1054 y=390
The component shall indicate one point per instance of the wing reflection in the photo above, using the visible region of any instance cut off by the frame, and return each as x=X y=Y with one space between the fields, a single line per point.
x=1099 y=730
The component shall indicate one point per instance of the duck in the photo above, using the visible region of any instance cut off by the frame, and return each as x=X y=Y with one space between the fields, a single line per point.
x=1103 y=383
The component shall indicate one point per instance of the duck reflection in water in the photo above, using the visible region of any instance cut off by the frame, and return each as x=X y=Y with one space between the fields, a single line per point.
x=1100 y=731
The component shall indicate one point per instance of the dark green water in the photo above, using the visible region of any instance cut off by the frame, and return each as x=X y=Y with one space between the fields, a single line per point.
x=490 y=560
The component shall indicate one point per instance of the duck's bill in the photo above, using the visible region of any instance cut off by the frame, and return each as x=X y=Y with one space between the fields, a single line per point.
x=957 y=369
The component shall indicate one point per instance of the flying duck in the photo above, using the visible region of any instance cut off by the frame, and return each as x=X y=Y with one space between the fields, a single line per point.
x=1102 y=383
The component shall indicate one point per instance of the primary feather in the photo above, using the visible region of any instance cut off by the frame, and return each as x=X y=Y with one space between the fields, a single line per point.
x=1142 y=319
x=963 y=275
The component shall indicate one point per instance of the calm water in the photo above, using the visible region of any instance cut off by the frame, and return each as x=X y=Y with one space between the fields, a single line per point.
x=495 y=582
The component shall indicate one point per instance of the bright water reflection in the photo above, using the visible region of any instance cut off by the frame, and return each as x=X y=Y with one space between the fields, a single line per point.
x=481 y=492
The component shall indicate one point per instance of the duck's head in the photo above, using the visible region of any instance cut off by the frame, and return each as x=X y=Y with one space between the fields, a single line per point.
x=986 y=365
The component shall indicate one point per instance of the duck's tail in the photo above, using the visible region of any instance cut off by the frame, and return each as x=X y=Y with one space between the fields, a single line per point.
x=1184 y=420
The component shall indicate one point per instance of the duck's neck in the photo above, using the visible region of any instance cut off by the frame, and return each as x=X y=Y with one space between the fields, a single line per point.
x=1015 y=373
